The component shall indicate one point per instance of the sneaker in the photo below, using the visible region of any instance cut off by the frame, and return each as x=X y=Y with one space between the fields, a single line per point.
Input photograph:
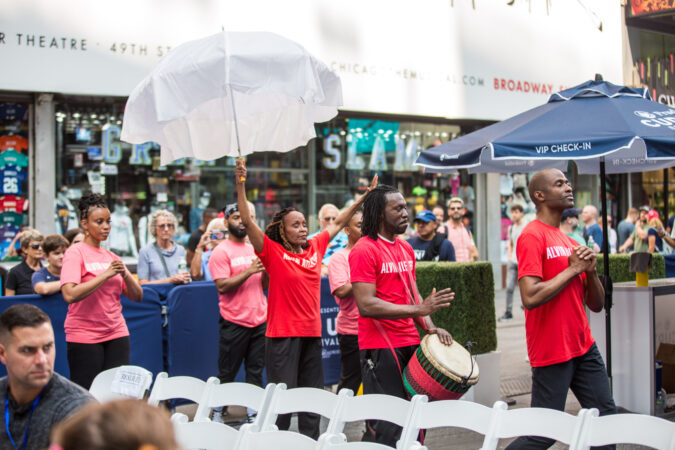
x=507 y=316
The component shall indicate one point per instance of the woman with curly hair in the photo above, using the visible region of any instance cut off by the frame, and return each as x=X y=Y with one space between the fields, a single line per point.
x=158 y=261
x=92 y=282
x=293 y=263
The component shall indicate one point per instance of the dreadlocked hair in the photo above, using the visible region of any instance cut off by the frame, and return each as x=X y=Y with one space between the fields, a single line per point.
x=275 y=230
x=373 y=209
x=90 y=200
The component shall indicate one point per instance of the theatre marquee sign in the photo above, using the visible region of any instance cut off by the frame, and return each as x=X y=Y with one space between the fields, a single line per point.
x=428 y=58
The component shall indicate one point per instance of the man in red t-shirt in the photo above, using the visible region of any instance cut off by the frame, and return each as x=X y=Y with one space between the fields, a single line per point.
x=240 y=279
x=382 y=268
x=557 y=277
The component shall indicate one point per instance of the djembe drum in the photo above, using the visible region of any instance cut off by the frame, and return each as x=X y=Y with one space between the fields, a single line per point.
x=439 y=371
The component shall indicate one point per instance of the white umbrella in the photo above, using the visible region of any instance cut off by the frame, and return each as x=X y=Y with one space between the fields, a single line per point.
x=230 y=94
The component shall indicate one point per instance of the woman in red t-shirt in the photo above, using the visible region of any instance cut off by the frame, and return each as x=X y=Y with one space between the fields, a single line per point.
x=92 y=282
x=293 y=263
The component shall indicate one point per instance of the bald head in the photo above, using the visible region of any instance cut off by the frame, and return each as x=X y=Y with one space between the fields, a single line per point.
x=540 y=182
x=589 y=214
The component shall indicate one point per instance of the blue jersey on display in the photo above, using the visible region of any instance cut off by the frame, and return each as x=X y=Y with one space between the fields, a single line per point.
x=11 y=179
x=12 y=111
x=7 y=232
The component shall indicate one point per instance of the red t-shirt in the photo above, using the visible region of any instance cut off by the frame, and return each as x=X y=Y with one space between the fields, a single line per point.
x=390 y=266
x=294 y=295
x=557 y=331
x=12 y=203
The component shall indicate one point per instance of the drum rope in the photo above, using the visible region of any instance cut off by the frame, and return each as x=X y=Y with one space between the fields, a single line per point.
x=465 y=379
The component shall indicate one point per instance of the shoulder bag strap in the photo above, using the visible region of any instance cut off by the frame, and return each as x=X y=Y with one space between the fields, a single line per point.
x=161 y=258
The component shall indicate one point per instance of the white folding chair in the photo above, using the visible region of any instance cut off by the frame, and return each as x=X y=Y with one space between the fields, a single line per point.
x=189 y=388
x=626 y=429
x=543 y=422
x=266 y=440
x=203 y=435
x=447 y=413
x=366 y=407
x=240 y=394
x=120 y=383
x=303 y=399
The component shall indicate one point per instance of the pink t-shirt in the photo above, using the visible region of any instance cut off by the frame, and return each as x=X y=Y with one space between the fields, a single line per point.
x=461 y=240
x=338 y=276
x=246 y=305
x=98 y=317
x=390 y=266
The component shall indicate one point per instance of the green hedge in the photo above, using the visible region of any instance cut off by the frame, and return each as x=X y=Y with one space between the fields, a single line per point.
x=619 y=267
x=471 y=315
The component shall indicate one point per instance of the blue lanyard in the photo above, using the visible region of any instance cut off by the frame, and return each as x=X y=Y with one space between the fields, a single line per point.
x=25 y=433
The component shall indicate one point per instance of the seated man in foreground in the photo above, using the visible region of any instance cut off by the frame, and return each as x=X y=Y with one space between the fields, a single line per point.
x=35 y=398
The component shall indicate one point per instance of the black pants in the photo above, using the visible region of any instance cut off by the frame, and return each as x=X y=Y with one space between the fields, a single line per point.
x=238 y=343
x=381 y=375
x=586 y=375
x=296 y=361
x=350 y=373
x=88 y=360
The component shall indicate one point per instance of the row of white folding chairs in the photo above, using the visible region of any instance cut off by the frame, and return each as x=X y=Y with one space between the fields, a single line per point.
x=581 y=431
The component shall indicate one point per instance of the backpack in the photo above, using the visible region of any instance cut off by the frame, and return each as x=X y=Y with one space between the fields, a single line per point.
x=434 y=248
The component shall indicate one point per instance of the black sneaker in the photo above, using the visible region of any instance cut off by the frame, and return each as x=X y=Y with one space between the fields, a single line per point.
x=507 y=316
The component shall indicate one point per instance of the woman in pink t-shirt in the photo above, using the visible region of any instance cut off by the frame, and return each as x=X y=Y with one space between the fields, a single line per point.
x=293 y=264
x=92 y=282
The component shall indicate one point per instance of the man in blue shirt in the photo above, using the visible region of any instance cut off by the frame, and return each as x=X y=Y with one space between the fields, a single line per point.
x=589 y=216
x=429 y=245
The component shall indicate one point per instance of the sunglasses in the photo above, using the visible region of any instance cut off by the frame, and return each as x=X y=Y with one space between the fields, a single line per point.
x=167 y=226
x=218 y=235
x=35 y=245
x=330 y=219
x=455 y=208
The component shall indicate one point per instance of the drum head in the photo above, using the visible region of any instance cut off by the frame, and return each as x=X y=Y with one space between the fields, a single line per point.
x=453 y=360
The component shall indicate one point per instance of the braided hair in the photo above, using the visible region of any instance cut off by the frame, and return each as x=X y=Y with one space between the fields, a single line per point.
x=90 y=200
x=275 y=230
x=373 y=210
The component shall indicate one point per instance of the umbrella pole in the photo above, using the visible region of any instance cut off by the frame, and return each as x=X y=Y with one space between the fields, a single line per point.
x=236 y=126
x=606 y=281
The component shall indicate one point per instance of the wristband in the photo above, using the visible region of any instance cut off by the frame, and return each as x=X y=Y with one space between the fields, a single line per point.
x=432 y=331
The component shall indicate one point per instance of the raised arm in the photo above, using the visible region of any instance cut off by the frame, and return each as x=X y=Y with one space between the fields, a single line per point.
x=255 y=234
x=346 y=215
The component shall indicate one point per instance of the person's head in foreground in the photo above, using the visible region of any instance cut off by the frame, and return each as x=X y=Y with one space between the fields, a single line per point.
x=117 y=425
x=27 y=350
x=289 y=228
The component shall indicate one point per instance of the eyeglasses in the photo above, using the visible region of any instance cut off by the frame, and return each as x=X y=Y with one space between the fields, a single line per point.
x=35 y=245
x=218 y=235
x=167 y=226
x=455 y=208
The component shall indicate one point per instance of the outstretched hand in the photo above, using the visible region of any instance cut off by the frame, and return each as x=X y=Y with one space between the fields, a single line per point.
x=436 y=301
x=373 y=184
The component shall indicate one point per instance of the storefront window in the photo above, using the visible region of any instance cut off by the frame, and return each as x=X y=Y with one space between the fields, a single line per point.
x=14 y=169
x=351 y=150
x=91 y=157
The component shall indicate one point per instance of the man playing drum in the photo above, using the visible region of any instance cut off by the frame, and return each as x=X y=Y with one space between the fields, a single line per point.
x=557 y=277
x=382 y=270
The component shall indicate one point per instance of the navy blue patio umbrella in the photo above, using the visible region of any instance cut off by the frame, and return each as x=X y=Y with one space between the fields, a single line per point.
x=604 y=128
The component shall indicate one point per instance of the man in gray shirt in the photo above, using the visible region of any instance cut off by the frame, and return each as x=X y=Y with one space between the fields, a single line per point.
x=34 y=398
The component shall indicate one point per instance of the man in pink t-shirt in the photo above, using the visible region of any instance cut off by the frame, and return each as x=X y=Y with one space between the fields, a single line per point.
x=240 y=278
x=465 y=249
x=557 y=277
x=382 y=268
x=348 y=317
